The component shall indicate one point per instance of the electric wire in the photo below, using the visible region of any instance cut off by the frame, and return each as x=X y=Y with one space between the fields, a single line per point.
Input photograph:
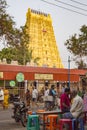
x=70 y=5
x=78 y=2
x=64 y=8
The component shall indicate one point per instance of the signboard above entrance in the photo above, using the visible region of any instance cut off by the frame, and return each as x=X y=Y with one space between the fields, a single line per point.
x=44 y=76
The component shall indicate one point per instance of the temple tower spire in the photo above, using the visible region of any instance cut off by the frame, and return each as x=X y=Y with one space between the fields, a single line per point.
x=42 y=39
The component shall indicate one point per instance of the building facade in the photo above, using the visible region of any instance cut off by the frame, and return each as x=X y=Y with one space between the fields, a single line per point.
x=42 y=39
x=18 y=78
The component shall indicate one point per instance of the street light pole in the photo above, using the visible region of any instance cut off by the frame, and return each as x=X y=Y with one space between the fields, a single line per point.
x=69 y=71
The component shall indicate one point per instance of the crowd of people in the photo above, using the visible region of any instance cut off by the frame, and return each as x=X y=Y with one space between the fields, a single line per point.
x=72 y=104
x=70 y=101
x=66 y=101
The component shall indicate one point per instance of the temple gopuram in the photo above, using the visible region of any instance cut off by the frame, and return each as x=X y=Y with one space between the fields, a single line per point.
x=42 y=39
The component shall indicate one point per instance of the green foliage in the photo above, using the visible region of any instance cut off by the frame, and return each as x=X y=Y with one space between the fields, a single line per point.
x=8 y=53
x=6 y=24
x=3 y=6
x=18 y=50
x=15 y=41
x=81 y=64
x=77 y=45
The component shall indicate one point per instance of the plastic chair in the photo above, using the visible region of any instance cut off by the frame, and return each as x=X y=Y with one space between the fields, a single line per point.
x=40 y=110
x=78 y=124
x=33 y=113
x=52 y=122
x=81 y=123
x=85 y=116
x=31 y=125
x=65 y=121
x=74 y=124
x=41 y=116
x=29 y=112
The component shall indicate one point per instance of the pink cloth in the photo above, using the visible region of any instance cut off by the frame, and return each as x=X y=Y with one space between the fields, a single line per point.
x=85 y=102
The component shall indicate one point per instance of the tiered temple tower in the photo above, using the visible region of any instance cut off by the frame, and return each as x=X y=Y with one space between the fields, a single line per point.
x=42 y=39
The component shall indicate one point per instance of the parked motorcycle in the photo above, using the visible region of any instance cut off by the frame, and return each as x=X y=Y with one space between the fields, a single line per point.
x=20 y=112
x=14 y=98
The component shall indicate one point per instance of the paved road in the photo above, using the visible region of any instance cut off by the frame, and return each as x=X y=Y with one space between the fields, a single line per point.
x=7 y=123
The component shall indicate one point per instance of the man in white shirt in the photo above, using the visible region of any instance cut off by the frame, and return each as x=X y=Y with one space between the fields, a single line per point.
x=34 y=96
x=76 y=107
x=46 y=94
x=1 y=96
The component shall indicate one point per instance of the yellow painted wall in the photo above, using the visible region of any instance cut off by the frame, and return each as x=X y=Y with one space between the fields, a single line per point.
x=42 y=39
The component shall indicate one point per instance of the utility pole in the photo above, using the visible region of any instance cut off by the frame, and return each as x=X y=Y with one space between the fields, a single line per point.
x=69 y=70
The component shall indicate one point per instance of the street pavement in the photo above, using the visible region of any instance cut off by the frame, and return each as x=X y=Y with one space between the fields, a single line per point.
x=8 y=123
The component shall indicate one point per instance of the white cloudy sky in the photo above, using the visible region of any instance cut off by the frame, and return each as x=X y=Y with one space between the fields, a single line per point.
x=65 y=22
